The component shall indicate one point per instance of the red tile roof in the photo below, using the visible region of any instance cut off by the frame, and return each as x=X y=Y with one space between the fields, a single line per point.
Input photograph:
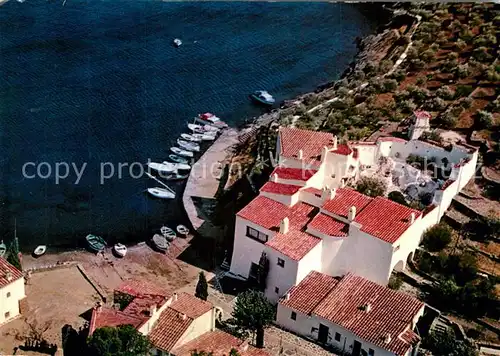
x=342 y=149
x=342 y=303
x=294 y=173
x=8 y=270
x=176 y=319
x=218 y=343
x=141 y=306
x=329 y=226
x=385 y=219
x=104 y=316
x=294 y=244
x=139 y=287
x=278 y=188
x=310 y=142
x=422 y=114
x=344 y=199
x=307 y=295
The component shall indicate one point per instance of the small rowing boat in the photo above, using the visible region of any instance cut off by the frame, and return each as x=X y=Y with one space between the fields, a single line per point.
x=161 y=193
x=181 y=229
x=181 y=152
x=120 y=249
x=175 y=176
x=168 y=233
x=178 y=159
x=160 y=242
x=190 y=146
x=262 y=97
x=3 y=249
x=96 y=243
x=168 y=167
x=40 y=250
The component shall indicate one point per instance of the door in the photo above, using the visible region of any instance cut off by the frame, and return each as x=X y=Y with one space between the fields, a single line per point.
x=356 y=349
x=323 y=334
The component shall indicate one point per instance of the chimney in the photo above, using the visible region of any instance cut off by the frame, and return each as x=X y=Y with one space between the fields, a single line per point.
x=412 y=218
x=324 y=151
x=387 y=338
x=152 y=310
x=174 y=297
x=335 y=142
x=284 y=225
x=333 y=192
x=274 y=178
x=8 y=276
x=98 y=307
x=287 y=296
x=352 y=213
x=328 y=194
x=301 y=154
x=367 y=307
x=182 y=316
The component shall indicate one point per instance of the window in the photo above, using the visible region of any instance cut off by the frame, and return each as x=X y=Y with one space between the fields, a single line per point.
x=256 y=235
x=337 y=337
x=371 y=352
x=281 y=262
x=293 y=316
x=7 y=315
x=8 y=294
x=276 y=290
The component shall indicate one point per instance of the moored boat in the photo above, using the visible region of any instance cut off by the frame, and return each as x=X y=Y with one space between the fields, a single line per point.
x=181 y=229
x=262 y=97
x=177 y=159
x=3 y=249
x=160 y=242
x=191 y=138
x=40 y=250
x=203 y=129
x=190 y=146
x=96 y=243
x=212 y=120
x=168 y=167
x=168 y=233
x=207 y=136
x=175 y=176
x=177 y=42
x=120 y=249
x=181 y=152
x=161 y=193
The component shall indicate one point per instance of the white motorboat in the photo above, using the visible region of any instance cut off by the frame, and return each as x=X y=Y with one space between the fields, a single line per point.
x=181 y=229
x=168 y=233
x=202 y=129
x=181 y=152
x=120 y=249
x=3 y=249
x=161 y=193
x=191 y=138
x=211 y=119
x=40 y=250
x=207 y=136
x=190 y=146
x=175 y=176
x=168 y=167
x=177 y=42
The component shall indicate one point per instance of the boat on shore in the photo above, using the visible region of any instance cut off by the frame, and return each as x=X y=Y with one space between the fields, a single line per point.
x=40 y=250
x=160 y=242
x=96 y=243
x=177 y=42
x=161 y=193
x=120 y=249
x=178 y=159
x=262 y=97
x=3 y=249
x=190 y=146
x=181 y=229
x=168 y=167
x=210 y=119
x=168 y=233
x=181 y=152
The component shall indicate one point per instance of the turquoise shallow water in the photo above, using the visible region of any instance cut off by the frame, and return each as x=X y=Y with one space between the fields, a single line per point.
x=99 y=81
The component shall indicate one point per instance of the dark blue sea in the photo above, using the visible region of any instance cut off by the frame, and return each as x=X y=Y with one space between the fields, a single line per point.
x=99 y=81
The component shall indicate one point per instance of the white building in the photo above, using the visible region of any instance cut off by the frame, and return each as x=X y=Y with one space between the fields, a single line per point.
x=11 y=291
x=352 y=315
x=305 y=219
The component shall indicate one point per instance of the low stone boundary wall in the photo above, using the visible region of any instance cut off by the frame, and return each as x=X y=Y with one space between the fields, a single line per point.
x=94 y=284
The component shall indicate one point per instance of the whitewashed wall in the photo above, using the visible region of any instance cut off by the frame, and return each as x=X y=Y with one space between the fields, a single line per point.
x=310 y=262
x=279 y=277
x=198 y=327
x=11 y=304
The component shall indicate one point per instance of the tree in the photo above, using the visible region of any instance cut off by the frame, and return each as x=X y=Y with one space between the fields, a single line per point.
x=13 y=256
x=398 y=197
x=449 y=120
x=202 y=287
x=484 y=119
x=253 y=312
x=263 y=271
x=371 y=186
x=445 y=344
x=123 y=340
x=437 y=237
x=445 y=93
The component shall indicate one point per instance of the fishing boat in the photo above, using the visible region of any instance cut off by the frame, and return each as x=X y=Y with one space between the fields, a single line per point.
x=262 y=97
x=120 y=249
x=191 y=138
x=160 y=242
x=175 y=176
x=3 y=249
x=181 y=152
x=40 y=250
x=96 y=243
x=168 y=233
x=178 y=159
x=190 y=146
x=211 y=119
x=207 y=136
x=161 y=193
x=181 y=229
x=177 y=42
x=168 y=167
x=203 y=129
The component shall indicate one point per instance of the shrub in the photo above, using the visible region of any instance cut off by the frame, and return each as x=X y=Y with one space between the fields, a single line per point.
x=492 y=74
x=449 y=120
x=449 y=65
x=373 y=187
x=397 y=197
x=389 y=85
x=466 y=35
x=484 y=119
x=432 y=136
x=407 y=106
x=385 y=66
x=466 y=102
x=395 y=282
x=399 y=75
x=427 y=55
x=462 y=70
x=481 y=54
x=437 y=237
x=445 y=93
x=463 y=90
x=436 y=104
x=460 y=45
x=446 y=344
x=421 y=80
x=342 y=91
x=418 y=94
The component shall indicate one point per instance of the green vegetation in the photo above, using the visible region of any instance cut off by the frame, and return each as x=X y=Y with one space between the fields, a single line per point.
x=437 y=237
x=398 y=197
x=371 y=186
x=120 y=341
x=446 y=344
x=202 y=287
x=233 y=352
x=395 y=282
